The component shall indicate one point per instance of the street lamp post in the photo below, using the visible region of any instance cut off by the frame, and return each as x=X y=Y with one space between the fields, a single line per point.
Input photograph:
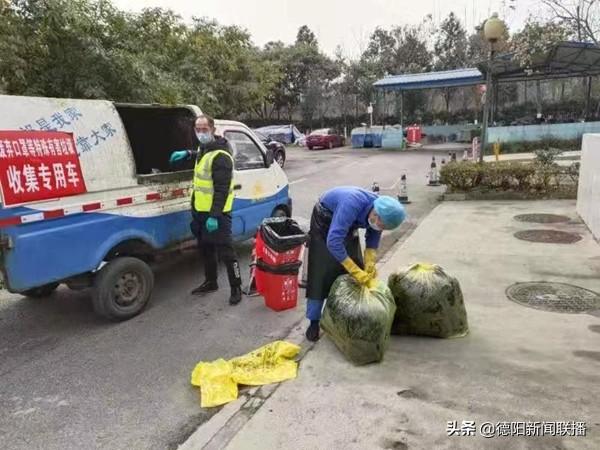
x=493 y=30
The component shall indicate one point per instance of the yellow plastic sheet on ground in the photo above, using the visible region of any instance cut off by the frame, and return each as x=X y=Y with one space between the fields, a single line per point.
x=218 y=380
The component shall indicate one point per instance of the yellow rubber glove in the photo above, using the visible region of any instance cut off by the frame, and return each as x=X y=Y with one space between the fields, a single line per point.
x=370 y=260
x=357 y=273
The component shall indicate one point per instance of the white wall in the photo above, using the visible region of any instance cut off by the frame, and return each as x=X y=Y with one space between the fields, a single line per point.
x=519 y=133
x=588 y=195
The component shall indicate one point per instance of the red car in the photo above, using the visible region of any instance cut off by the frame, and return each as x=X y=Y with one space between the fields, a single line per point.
x=325 y=138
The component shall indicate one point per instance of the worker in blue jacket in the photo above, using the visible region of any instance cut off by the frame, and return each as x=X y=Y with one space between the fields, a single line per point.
x=334 y=247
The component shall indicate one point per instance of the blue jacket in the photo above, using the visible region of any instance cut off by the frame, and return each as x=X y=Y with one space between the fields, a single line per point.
x=350 y=207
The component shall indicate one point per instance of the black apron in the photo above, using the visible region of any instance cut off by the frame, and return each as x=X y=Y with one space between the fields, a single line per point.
x=323 y=268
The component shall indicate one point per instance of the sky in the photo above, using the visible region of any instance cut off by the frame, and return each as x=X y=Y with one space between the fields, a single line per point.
x=344 y=23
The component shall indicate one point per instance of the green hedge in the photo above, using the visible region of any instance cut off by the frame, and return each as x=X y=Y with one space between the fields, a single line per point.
x=532 y=146
x=466 y=176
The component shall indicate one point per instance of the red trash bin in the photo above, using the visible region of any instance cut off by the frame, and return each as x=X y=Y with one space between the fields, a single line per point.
x=271 y=257
x=278 y=247
x=280 y=285
x=414 y=134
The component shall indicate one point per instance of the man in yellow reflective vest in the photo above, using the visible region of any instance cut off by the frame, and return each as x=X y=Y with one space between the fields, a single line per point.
x=212 y=201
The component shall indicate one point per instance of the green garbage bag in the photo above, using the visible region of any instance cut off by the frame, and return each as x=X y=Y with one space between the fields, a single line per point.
x=359 y=319
x=429 y=302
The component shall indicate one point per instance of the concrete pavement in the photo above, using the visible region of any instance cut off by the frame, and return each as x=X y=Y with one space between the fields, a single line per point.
x=517 y=363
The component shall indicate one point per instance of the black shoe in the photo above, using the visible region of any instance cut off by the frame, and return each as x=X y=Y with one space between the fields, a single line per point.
x=312 y=332
x=206 y=288
x=236 y=295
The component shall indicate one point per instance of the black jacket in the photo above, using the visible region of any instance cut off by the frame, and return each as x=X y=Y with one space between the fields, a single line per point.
x=222 y=172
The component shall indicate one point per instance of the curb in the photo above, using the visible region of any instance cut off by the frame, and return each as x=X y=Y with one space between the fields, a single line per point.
x=505 y=196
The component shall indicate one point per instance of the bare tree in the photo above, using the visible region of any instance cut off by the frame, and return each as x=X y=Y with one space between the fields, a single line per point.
x=581 y=16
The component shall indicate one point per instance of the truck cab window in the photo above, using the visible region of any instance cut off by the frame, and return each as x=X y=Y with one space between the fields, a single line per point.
x=246 y=153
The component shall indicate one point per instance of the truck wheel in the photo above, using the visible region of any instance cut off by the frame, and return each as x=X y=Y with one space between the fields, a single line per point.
x=280 y=158
x=122 y=288
x=41 y=291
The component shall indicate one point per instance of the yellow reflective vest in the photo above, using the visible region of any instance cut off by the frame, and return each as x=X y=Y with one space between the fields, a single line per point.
x=203 y=183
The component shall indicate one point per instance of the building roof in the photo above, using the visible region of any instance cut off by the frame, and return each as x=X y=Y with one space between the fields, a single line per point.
x=565 y=59
x=431 y=80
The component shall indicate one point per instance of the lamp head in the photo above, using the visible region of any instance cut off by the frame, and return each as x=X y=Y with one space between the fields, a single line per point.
x=493 y=29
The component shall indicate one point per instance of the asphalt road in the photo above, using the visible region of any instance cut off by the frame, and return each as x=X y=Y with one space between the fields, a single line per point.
x=70 y=380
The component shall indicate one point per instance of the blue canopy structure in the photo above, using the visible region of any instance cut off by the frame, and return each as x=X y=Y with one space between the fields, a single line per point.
x=564 y=59
x=427 y=80
x=431 y=80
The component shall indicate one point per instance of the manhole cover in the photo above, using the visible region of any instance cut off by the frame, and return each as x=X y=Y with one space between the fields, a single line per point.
x=541 y=218
x=555 y=297
x=548 y=236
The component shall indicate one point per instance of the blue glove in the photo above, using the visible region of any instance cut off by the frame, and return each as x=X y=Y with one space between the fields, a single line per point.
x=212 y=224
x=179 y=155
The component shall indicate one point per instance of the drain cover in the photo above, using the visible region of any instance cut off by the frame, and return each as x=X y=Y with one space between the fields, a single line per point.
x=548 y=236
x=554 y=297
x=541 y=218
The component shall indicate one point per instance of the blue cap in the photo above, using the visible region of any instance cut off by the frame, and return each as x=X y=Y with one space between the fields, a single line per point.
x=390 y=211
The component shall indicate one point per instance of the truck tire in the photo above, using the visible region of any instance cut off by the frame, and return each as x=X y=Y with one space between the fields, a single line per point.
x=41 y=291
x=280 y=158
x=122 y=288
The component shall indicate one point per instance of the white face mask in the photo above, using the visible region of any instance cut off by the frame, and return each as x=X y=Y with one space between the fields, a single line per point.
x=373 y=225
x=204 y=138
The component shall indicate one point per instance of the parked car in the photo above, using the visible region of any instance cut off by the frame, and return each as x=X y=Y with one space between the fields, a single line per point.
x=325 y=138
x=276 y=147
x=135 y=203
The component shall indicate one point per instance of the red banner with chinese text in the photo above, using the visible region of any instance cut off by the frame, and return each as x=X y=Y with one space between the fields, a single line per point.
x=38 y=165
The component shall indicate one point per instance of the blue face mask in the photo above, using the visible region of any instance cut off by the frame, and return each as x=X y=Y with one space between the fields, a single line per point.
x=204 y=138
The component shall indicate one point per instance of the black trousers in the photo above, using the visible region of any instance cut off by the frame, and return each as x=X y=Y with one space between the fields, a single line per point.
x=216 y=246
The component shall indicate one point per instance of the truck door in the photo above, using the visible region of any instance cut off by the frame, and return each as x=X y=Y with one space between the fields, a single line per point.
x=255 y=183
